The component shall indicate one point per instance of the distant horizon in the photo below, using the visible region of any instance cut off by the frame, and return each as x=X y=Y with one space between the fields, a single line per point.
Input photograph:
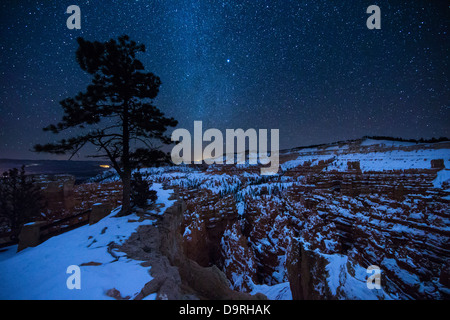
x=80 y=169
x=86 y=158
x=20 y=159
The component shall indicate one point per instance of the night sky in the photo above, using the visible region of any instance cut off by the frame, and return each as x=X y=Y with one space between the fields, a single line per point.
x=309 y=68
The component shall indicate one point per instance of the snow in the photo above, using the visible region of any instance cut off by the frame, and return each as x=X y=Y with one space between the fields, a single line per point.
x=354 y=288
x=407 y=277
x=393 y=160
x=151 y=296
x=442 y=176
x=39 y=273
x=394 y=155
x=8 y=252
x=44 y=267
x=187 y=232
x=280 y=291
x=293 y=163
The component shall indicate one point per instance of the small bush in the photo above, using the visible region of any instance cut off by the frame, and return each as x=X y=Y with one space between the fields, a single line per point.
x=141 y=195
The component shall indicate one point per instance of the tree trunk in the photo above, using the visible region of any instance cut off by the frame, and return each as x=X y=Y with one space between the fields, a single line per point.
x=126 y=180
x=126 y=206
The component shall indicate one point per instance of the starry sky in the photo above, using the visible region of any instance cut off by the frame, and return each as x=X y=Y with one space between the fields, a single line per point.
x=311 y=69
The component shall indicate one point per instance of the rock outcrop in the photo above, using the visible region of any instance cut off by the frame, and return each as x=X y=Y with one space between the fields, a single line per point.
x=175 y=275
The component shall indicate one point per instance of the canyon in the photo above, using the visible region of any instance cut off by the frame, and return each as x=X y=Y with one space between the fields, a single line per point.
x=308 y=232
x=331 y=212
x=311 y=231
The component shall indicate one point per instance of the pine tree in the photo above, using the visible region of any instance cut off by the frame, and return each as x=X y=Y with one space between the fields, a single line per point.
x=115 y=112
x=20 y=200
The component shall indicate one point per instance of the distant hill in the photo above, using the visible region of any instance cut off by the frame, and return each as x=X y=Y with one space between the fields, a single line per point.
x=82 y=170
x=378 y=138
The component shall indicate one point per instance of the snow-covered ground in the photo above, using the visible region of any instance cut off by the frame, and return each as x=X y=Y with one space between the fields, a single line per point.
x=39 y=273
x=442 y=176
x=345 y=285
x=281 y=291
x=373 y=156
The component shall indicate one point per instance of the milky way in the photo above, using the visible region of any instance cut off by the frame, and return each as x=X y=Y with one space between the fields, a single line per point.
x=309 y=68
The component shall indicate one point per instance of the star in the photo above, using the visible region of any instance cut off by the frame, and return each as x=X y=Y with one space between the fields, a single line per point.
x=311 y=69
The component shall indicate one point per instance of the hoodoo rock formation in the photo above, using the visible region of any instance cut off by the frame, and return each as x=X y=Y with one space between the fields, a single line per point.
x=310 y=232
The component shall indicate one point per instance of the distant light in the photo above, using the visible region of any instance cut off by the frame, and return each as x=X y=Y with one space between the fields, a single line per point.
x=105 y=166
x=228 y=60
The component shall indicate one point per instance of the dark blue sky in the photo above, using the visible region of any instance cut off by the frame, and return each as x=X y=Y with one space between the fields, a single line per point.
x=309 y=68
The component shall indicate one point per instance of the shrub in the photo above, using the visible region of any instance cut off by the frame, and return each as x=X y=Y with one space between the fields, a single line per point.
x=141 y=195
